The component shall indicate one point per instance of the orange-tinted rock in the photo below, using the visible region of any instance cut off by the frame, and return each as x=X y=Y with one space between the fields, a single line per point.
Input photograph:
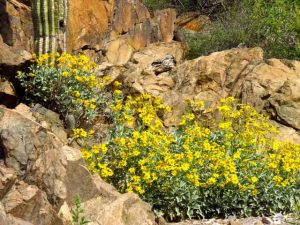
x=30 y=203
x=119 y=51
x=87 y=23
x=192 y=21
x=166 y=22
x=49 y=175
x=123 y=19
x=139 y=36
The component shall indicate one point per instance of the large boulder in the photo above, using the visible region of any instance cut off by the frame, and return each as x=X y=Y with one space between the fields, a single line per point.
x=273 y=86
x=122 y=211
x=116 y=28
x=150 y=67
x=29 y=203
x=40 y=177
x=16 y=36
x=16 y=24
x=214 y=75
x=270 y=85
x=108 y=30
x=87 y=23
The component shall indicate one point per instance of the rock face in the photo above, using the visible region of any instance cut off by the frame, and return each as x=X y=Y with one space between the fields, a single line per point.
x=16 y=25
x=87 y=23
x=270 y=85
x=117 y=28
x=192 y=21
x=40 y=177
x=150 y=67
x=107 y=30
x=16 y=35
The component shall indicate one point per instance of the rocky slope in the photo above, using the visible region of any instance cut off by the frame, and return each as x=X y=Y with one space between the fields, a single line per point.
x=41 y=175
x=270 y=85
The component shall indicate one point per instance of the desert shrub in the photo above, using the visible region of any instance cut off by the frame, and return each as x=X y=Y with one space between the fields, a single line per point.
x=232 y=165
x=273 y=25
x=276 y=26
x=207 y=7
x=153 y=5
x=66 y=84
x=77 y=213
x=228 y=31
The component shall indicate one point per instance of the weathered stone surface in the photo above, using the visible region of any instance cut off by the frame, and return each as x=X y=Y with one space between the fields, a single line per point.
x=148 y=69
x=16 y=36
x=25 y=111
x=140 y=36
x=119 y=51
x=166 y=22
x=154 y=52
x=163 y=65
x=10 y=56
x=87 y=24
x=288 y=133
x=216 y=72
x=7 y=179
x=56 y=174
x=50 y=120
x=34 y=152
x=29 y=203
x=273 y=87
x=121 y=211
x=17 y=221
x=124 y=18
x=75 y=186
x=117 y=28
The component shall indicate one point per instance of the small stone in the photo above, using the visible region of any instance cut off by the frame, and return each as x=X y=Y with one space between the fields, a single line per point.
x=163 y=65
x=278 y=218
x=266 y=220
x=70 y=122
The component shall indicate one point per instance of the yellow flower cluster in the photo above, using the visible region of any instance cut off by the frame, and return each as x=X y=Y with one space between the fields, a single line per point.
x=65 y=60
x=142 y=109
x=81 y=133
x=237 y=150
x=76 y=75
x=78 y=67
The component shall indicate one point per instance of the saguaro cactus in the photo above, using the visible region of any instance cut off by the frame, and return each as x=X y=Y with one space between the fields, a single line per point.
x=49 y=21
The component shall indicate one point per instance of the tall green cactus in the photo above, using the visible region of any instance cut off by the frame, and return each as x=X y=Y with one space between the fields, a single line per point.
x=49 y=21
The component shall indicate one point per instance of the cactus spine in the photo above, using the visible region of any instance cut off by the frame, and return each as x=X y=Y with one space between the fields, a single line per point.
x=49 y=21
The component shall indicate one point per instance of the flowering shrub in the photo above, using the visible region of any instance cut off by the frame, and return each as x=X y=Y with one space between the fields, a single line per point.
x=65 y=84
x=231 y=166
